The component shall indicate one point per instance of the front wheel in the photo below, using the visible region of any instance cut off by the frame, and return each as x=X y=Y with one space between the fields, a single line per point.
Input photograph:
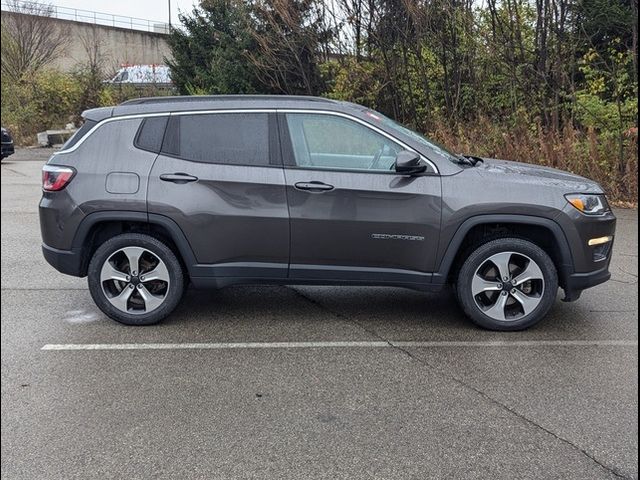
x=507 y=284
x=135 y=279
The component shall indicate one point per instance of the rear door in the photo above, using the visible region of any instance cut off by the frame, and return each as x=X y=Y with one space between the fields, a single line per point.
x=353 y=217
x=219 y=177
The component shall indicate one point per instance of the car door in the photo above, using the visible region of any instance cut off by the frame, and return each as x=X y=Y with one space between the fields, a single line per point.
x=353 y=218
x=219 y=177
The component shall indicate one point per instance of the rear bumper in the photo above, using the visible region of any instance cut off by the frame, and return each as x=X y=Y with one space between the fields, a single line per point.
x=69 y=262
x=577 y=282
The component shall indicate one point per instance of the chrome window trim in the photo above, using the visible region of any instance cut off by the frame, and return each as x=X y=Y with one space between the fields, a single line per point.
x=158 y=114
x=249 y=110
x=104 y=122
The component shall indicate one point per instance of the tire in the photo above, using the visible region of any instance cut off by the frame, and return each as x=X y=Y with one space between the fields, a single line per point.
x=123 y=293
x=515 y=284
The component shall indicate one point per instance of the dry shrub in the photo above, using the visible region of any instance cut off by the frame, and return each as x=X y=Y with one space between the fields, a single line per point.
x=589 y=153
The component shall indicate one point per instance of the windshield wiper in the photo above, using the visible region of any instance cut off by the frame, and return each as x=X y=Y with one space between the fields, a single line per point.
x=463 y=160
x=472 y=159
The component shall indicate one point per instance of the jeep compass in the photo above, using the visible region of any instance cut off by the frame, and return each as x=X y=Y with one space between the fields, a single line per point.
x=156 y=193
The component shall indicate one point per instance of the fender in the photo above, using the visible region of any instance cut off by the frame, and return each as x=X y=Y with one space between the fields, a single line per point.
x=565 y=268
x=175 y=232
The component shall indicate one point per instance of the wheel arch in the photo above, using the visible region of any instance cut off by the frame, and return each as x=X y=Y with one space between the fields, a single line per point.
x=98 y=227
x=544 y=232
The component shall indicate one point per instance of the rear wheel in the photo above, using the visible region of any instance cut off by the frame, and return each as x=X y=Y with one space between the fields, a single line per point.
x=507 y=284
x=135 y=279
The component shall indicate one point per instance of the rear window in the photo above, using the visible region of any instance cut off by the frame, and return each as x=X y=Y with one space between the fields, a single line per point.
x=81 y=132
x=230 y=138
x=151 y=133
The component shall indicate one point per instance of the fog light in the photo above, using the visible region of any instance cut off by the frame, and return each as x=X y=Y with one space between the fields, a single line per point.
x=601 y=248
x=600 y=240
x=601 y=252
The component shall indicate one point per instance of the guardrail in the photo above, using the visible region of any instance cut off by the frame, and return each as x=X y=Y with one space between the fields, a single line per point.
x=87 y=16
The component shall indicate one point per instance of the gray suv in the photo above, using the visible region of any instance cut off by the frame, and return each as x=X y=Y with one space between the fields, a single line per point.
x=155 y=193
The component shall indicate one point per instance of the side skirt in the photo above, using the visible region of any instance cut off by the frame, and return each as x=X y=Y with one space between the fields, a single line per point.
x=221 y=282
x=217 y=276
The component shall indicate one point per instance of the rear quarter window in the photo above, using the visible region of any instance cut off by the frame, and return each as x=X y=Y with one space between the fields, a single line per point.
x=151 y=134
x=81 y=132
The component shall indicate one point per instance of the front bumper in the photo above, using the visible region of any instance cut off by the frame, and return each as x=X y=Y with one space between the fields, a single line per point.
x=588 y=270
x=69 y=262
x=7 y=149
x=577 y=282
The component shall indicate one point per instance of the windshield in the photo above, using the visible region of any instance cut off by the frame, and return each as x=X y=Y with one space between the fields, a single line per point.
x=387 y=122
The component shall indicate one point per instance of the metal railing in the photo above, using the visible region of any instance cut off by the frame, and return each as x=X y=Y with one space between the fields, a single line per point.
x=87 y=16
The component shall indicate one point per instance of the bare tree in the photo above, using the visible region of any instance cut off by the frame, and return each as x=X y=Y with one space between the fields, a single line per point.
x=289 y=35
x=30 y=38
x=91 y=72
x=93 y=44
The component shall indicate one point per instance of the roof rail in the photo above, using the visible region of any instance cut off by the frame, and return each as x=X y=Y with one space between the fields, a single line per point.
x=200 y=98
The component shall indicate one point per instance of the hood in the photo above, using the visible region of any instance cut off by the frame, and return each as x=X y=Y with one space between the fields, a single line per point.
x=535 y=174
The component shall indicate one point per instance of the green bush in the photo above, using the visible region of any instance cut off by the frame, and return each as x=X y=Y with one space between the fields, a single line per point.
x=51 y=99
x=48 y=100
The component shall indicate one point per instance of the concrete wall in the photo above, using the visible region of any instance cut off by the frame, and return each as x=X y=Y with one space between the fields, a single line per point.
x=116 y=45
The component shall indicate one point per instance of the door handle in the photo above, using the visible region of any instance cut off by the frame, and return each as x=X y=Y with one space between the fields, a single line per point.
x=178 y=177
x=314 y=186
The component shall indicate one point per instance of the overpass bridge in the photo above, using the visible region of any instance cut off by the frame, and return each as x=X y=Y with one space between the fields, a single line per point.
x=116 y=39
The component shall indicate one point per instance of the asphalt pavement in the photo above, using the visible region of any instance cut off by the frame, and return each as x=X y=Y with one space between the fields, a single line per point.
x=307 y=382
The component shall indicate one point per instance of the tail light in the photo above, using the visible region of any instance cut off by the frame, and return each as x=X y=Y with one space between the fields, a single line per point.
x=55 y=178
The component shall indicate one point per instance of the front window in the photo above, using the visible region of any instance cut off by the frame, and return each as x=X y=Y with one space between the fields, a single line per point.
x=393 y=125
x=331 y=142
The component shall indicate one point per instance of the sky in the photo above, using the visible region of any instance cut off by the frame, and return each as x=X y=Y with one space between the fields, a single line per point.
x=145 y=9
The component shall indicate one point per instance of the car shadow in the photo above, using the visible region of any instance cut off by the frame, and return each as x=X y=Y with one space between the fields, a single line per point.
x=385 y=312
x=362 y=307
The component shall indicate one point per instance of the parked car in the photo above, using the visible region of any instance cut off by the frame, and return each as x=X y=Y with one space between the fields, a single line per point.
x=142 y=75
x=226 y=190
x=7 y=143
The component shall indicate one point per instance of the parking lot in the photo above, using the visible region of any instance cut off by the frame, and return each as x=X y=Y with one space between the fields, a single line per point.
x=307 y=382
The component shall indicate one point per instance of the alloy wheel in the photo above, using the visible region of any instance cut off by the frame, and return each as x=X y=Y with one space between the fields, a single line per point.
x=135 y=280
x=508 y=286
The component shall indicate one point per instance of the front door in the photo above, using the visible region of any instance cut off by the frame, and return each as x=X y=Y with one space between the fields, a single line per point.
x=353 y=218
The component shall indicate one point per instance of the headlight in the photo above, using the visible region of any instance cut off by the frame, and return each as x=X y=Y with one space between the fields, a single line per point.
x=588 y=204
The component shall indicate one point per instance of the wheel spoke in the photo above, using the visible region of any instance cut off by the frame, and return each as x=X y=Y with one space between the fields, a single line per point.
x=133 y=255
x=532 y=272
x=120 y=301
x=497 y=309
x=528 y=303
x=159 y=273
x=151 y=302
x=501 y=261
x=479 y=285
x=109 y=272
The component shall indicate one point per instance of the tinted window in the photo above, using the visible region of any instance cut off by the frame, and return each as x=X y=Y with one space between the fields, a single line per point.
x=328 y=141
x=81 y=132
x=233 y=138
x=151 y=133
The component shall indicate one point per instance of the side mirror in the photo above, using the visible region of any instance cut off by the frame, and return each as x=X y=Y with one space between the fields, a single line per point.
x=408 y=163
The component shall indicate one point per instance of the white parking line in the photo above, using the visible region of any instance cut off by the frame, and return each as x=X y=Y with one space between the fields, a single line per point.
x=524 y=343
x=373 y=344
